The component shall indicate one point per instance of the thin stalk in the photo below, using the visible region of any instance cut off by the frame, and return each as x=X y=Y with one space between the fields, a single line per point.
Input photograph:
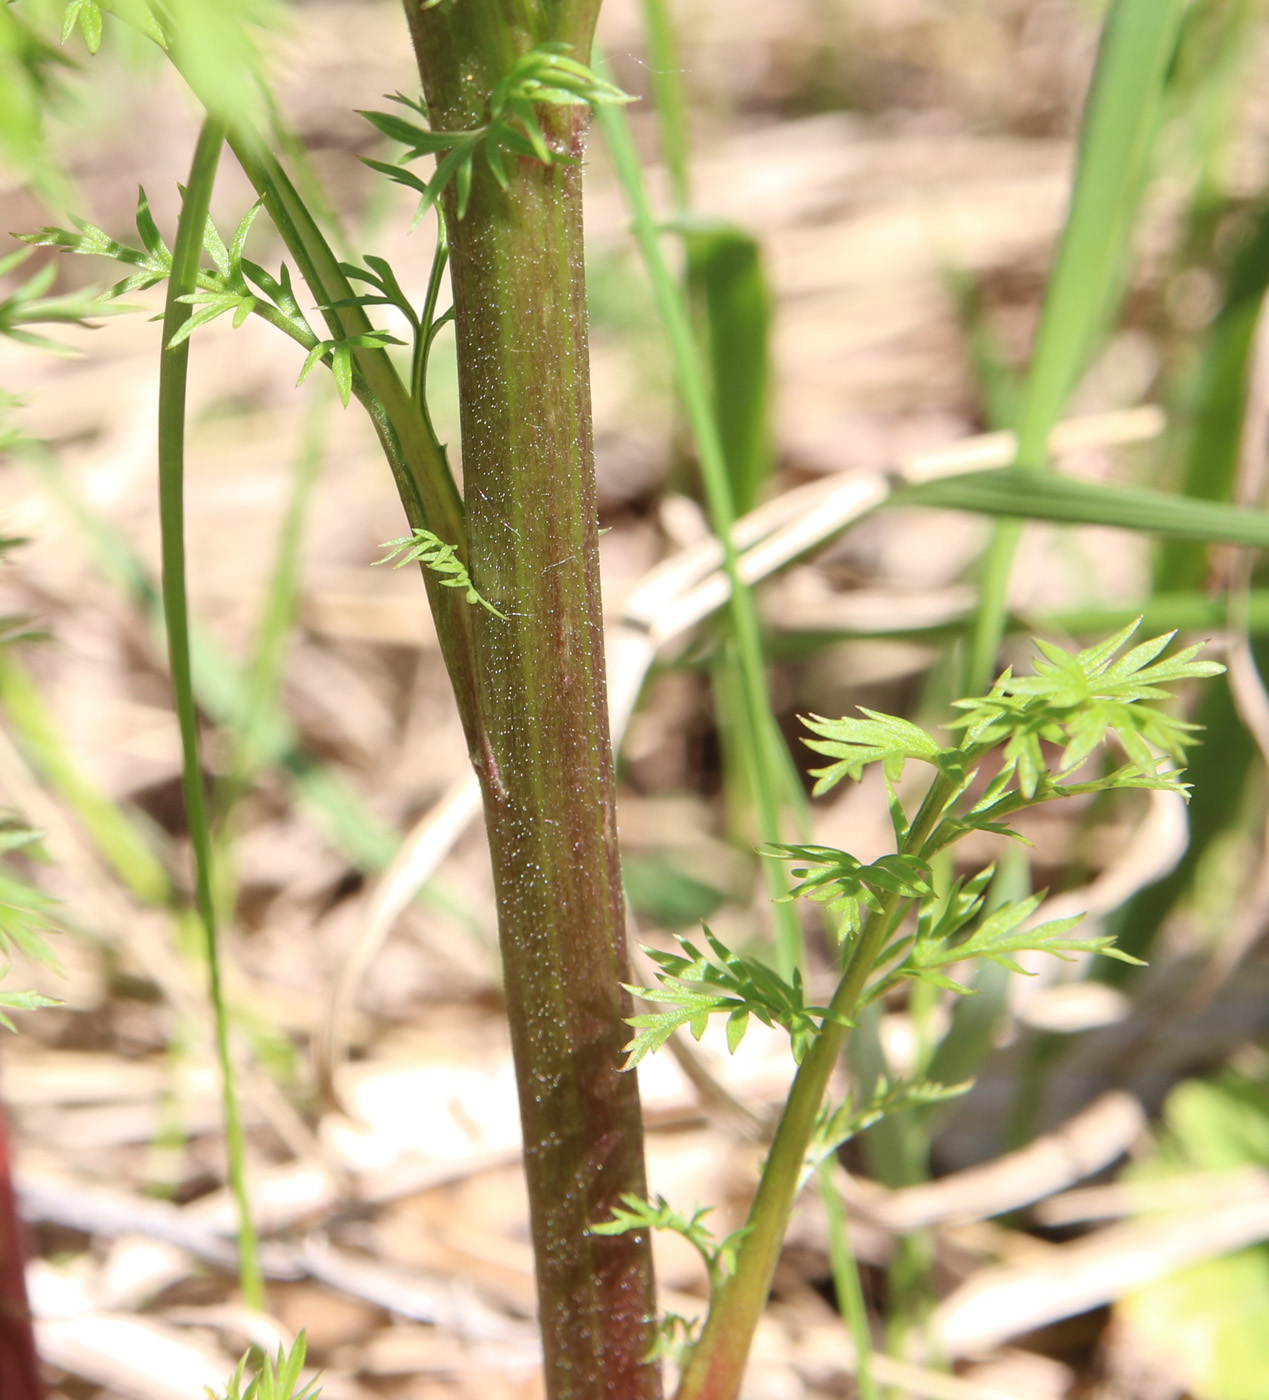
x=428 y=324
x=173 y=373
x=264 y=675
x=264 y=672
x=717 y=1363
x=850 y=1293
x=743 y=614
x=669 y=98
x=670 y=102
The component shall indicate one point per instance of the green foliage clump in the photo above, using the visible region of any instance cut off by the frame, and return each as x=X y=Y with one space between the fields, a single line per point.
x=896 y=923
x=1076 y=700
x=275 y=1379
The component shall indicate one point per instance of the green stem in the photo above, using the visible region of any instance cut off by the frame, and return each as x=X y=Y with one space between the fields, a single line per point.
x=516 y=267
x=424 y=481
x=173 y=374
x=717 y=1363
x=850 y=1293
x=743 y=614
x=428 y=324
x=668 y=97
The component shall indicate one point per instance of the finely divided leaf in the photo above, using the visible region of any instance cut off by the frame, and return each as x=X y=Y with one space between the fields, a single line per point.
x=433 y=553
x=848 y=886
x=700 y=985
x=878 y=738
x=1077 y=700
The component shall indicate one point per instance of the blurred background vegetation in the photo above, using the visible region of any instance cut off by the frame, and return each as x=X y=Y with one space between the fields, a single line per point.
x=870 y=194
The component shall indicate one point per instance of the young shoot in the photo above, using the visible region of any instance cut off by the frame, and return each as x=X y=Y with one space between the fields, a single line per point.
x=274 y=1379
x=895 y=921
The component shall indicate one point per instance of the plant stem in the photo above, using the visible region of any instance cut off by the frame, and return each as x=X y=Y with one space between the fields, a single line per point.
x=850 y=1294
x=516 y=266
x=424 y=482
x=173 y=373
x=668 y=97
x=717 y=1363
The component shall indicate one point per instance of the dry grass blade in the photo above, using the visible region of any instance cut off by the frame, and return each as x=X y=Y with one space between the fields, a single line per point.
x=1086 y=1144
x=998 y=1304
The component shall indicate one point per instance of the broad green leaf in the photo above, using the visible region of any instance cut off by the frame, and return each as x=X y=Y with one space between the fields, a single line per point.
x=725 y=272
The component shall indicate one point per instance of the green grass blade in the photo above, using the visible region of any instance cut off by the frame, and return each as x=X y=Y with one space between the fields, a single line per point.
x=999 y=384
x=1219 y=398
x=1207 y=85
x=694 y=389
x=1188 y=611
x=264 y=673
x=1121 y=117
x=1068 y=500
x=726 y=276
x=173 y=375
x=728 y=289
x=846 y=1283
x=220 y=686
x=1120 y=120
x=669 y=98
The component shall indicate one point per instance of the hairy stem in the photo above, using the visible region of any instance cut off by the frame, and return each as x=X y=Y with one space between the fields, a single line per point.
x=546 y=768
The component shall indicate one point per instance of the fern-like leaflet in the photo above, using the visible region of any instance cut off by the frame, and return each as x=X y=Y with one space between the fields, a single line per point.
x=433 y=553
x=697 y=987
